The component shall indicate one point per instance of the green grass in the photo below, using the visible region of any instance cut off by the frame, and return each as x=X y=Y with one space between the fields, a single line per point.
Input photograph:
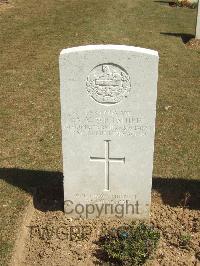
x=12 y=203
x=32 y=35
x=184 y=240
x=5 y=248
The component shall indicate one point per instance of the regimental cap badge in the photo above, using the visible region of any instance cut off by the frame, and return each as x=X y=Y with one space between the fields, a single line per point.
x=108 y=84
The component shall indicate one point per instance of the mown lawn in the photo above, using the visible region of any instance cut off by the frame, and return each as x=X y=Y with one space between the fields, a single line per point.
x=32 y=34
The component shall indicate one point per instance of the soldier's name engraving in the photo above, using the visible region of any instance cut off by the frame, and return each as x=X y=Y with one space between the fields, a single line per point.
x=108 y=122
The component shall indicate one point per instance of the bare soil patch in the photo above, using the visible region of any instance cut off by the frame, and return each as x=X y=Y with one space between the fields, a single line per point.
x=4 y=5
x=184 y=3
x=20 y=242
x=193 y=44
x=55 y=239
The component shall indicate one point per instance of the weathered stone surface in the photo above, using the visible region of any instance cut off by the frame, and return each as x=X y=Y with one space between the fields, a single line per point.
x=108 y=107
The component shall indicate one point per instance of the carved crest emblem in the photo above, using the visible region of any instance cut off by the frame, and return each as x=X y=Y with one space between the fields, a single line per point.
x=108 y=84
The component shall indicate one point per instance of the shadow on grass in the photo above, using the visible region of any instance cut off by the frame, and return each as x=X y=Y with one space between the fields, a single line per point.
x=184 y=36
x=168 y=3
x=174 y=191
x=163 y=2
x=47 y=188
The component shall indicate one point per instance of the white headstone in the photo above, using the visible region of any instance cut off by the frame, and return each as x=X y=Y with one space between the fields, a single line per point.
x=198 y=22
x=108 y=109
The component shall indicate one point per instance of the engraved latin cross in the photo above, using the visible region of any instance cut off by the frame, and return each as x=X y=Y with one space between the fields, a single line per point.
x=107 y=161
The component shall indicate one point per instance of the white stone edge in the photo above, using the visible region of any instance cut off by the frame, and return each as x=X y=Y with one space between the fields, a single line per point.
x=108 y=47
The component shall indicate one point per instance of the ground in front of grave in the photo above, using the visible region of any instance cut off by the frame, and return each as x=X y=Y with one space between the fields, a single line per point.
x=175 y=214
